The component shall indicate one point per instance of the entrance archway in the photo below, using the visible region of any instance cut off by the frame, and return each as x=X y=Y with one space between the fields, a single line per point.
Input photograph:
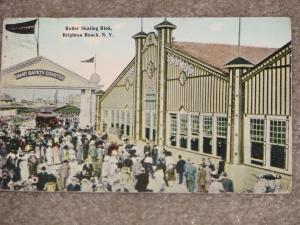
x=42 y=73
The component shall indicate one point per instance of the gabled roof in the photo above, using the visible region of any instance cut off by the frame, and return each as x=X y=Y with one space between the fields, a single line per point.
x=100 y=92
x=140 y=34
x=286 y=49
x=118 y=78
x=37 y=59
x=165 y=24
x=239 y=61
x=217 y=55
x=67 y=109
x=85 y=82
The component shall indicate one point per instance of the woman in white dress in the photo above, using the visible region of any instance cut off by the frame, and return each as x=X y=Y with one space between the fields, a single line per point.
x=49 y=154
x=23 y=167
x=56 y=154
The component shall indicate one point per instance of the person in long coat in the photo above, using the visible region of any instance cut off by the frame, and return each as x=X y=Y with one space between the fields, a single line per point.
x=201 y=179
x=180 y=168
x=79 y=150
x=190 y=172
x=33 y=163
x=93 y=151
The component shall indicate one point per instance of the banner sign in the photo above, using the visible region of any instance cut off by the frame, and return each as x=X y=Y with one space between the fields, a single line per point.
x=42 y=73
x=22 y=28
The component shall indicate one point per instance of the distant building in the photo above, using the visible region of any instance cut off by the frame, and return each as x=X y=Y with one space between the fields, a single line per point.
x=73 y=100
x=7 y=107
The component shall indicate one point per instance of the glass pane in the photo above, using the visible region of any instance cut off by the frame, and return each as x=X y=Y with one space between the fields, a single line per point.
x=221 y=147
x=278 y=156
x=183 y=124
x=207 y=125
x=153 y=134
x=257 y=150
x=257 y=130
x=173 y=129
x=173 y=140
x=207 y=147
x=183 y=141
x=195 y=144
x=222 y=126
x=147 y=133
x=278 y=132
x=195 y=124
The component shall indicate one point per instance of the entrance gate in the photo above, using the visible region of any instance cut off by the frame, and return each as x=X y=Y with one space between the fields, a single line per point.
x=42 y=73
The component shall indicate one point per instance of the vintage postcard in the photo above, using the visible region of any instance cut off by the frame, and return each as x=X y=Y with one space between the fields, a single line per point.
x=182 y=105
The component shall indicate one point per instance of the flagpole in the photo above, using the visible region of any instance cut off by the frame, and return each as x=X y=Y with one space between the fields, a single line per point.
x=95 y=64
x=239 y=36
x=37 y=37
x=38 y=42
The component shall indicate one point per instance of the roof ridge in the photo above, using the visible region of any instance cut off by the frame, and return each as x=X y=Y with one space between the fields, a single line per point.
x=224 y=44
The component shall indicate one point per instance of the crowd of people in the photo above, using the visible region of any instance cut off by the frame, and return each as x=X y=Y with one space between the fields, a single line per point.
x=69 y=158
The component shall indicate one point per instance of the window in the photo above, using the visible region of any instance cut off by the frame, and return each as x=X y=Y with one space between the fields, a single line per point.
x=257 y=130
x=123 y=117
x=128 y=124
x=222 y=126
x=278 y=142
x=153 y=126
x=207 y=146
x=122 y=122
x=117 y=119
x=207 y=125
x=207 y=134
x=150 y=99
x=221 y=136
x=173 y=129
x=275 y=145
x=257 y=127
x=112 y=118
x=221 y=147
x=195 y=132
x=104 y=127
x=183 y=130
x=278 y=132
x=195 y=124
x=183 y=124
x=147 y=125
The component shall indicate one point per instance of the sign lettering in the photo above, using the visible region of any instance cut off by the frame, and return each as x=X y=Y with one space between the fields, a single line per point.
x=186 y=67
x=42 y=73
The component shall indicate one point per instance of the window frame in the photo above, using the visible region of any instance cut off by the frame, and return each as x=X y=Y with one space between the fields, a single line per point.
x=267 y=143
x=191 y=135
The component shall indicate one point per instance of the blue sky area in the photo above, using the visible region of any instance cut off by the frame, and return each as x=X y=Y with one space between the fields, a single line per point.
x=114 y=53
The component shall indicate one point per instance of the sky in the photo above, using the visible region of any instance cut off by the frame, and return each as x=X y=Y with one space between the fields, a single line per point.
x=114 y=53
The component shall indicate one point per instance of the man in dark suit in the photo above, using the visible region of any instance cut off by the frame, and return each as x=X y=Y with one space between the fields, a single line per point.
x=142 y=181
x=180 y=168
x=42 y=179
x=147 y=149
x=227 y=183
